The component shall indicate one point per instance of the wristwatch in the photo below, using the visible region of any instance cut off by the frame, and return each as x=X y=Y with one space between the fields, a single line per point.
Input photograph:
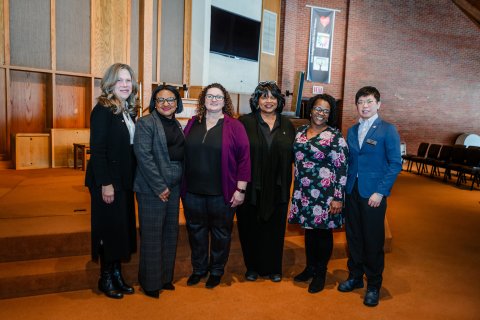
x=240 y=190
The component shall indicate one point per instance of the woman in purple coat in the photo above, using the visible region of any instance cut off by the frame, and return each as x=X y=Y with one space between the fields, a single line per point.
x=217 y=169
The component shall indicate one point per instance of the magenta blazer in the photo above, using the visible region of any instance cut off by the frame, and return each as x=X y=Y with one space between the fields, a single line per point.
x=235 y=156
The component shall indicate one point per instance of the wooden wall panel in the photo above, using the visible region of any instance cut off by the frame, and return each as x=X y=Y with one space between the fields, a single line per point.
x=171 y=47
x=110 y=42
x=73 y=35
x=30 y=33
x=3 y=115
x=134 y=35
x=155 y=36
x=27 y=107
x=2 y=36
x=71 y=99
x=268 y=62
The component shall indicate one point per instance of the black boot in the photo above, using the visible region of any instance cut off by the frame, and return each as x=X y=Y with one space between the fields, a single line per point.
x=118 y=281
x=105 y=283
x=318 y=282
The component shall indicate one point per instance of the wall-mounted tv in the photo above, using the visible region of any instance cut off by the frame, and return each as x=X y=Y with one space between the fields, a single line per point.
x=234 y=35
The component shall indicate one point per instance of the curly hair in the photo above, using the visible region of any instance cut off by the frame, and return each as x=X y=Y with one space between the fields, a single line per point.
x=332 y=117
x=227 y=107
x=108 y=98
x=262 y=90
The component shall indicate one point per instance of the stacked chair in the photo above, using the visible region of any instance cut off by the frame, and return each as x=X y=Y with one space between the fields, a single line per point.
x=457 y=159
x=465 y=162
x=471 y=166
x=432 y=155
x=442 y=160
x=411 y=158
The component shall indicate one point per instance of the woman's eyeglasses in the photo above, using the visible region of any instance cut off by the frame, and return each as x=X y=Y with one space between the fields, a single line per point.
x=321 y=110
x=211 y=97
x=162 y=100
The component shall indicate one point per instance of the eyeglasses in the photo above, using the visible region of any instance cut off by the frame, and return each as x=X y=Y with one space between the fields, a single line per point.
x=321 y=110
x=266 y=83
x=368 y=102
x=211 y=97
x=170 y=100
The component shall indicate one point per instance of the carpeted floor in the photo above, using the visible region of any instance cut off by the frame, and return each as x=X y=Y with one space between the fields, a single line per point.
x=431 y=273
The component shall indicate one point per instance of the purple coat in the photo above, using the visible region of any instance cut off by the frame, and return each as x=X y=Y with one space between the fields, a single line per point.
x=235 y=156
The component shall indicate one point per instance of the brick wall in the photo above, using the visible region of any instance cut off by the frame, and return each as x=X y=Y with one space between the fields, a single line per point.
x=423 y=56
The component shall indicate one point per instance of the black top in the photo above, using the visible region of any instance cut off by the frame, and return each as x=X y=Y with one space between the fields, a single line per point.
x=271 y=166
x=267 y=133
x=204 y=159
x=175 y=138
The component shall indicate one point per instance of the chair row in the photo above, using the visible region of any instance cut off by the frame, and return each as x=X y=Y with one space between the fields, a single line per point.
x=458 y=158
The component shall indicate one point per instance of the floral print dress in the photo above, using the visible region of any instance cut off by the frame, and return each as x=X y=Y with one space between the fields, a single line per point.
x=320 y=177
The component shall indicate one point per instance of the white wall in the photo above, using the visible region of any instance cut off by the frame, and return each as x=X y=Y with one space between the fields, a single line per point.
x=237 y=75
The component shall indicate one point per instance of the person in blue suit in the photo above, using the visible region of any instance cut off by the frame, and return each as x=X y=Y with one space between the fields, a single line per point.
x=373 y=166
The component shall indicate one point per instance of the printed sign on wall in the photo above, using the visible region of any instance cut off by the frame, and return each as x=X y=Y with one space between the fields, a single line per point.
x=322 y=23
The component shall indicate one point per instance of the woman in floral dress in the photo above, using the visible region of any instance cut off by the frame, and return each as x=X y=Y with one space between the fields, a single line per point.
x=320 y=153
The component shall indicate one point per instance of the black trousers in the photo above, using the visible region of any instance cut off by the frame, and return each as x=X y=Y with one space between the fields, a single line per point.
x=365 y=231
x=209 y=226
x=262 y=241
x=318 y=248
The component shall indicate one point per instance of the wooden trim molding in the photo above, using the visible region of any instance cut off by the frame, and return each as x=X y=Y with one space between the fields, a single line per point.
x=187 y=40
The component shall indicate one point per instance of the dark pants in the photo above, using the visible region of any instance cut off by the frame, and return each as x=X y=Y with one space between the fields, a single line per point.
x=158 y=222
x=208 y=217
x=365 y=231
x=262 y=241
x=318 y=248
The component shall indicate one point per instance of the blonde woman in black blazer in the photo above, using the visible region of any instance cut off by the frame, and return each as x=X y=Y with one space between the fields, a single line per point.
x=159 y=143
x=109 y=177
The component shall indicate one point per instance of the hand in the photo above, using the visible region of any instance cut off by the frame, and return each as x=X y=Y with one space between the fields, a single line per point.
x=336 y=207
x=375 y=200
x=108 y=193
x=237 y=199
x=164 y=195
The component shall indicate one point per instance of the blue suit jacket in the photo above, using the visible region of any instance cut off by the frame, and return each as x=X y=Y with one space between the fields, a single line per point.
x=377 y=163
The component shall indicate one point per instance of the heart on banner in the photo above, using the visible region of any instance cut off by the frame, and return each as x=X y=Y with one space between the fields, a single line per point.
x=324 y=21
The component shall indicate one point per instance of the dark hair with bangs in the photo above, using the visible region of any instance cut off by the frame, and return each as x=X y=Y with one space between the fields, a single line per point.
x=366 y=91
x=173 y=90
x=262 y=89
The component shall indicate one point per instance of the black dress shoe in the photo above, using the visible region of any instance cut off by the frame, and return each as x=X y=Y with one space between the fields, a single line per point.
x=371 y=297
x=305 y=275
x=195 y=278
x=275 y=277
x=168 y=286
x=152 y=293
x=251 y=275
x=350 y=285
x=317 y=284
x=213 y=281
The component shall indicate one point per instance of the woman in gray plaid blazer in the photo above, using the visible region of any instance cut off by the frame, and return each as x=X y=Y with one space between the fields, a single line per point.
x=159 y=147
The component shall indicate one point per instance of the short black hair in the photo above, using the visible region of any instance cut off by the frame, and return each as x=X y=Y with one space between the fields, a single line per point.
x=173 y=90
x=366 y=91
x=262 y=89
x=332 y=116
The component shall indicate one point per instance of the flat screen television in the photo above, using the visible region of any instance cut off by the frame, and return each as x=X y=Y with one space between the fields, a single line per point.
x=234 y=35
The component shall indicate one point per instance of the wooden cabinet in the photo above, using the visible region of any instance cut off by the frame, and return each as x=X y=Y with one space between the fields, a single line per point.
x=31 y=150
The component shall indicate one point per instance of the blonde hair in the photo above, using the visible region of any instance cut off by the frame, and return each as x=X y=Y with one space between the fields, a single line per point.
x=227 y=107
x=108 y=98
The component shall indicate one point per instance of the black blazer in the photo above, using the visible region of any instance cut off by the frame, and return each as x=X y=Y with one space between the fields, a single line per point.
x=112 y=160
